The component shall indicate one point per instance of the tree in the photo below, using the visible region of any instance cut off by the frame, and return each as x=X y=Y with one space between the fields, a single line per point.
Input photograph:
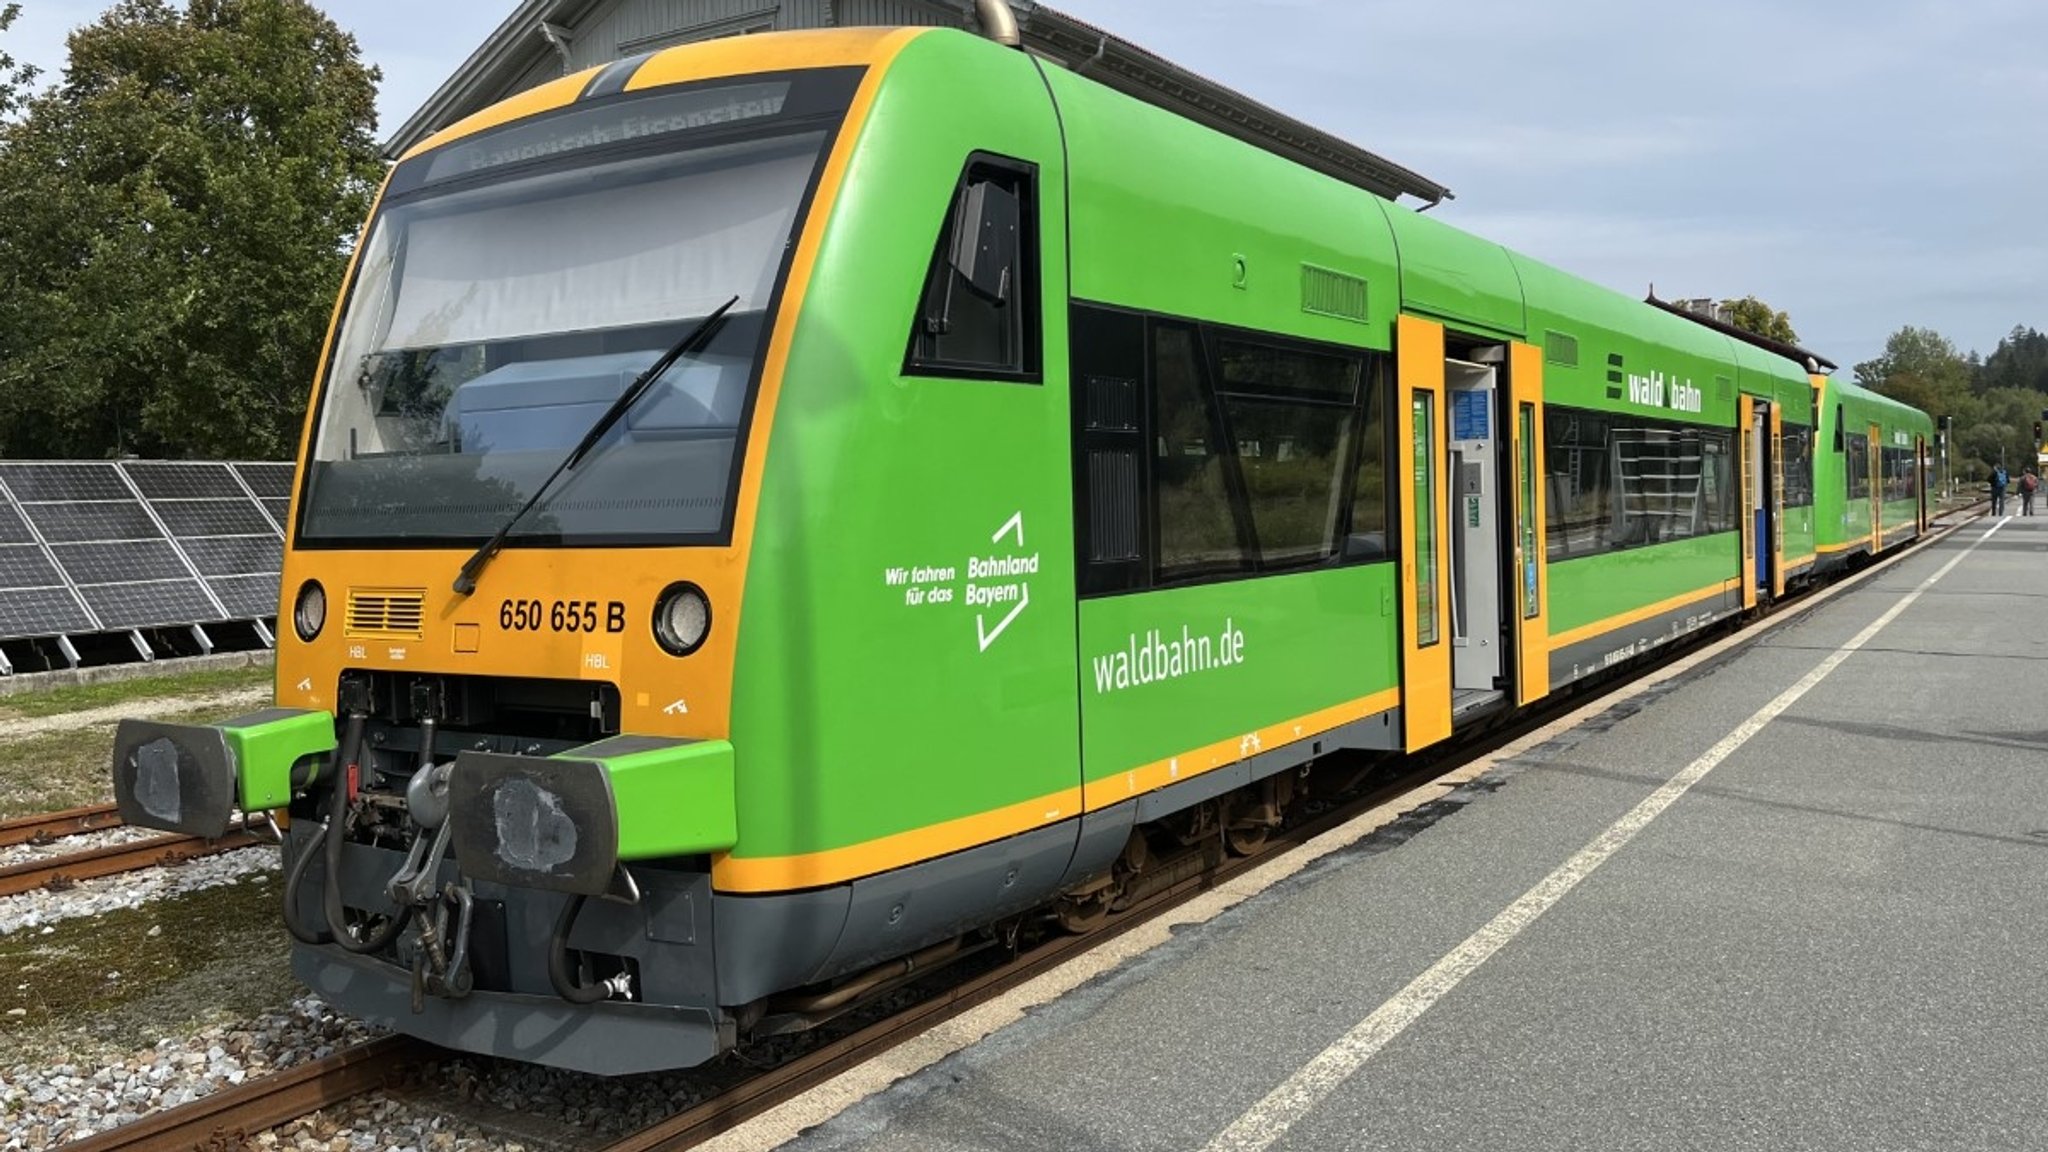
x=174 y=219
x=1753 y=315
x=15 y=76
x=2019 y=361
x=1920 y=367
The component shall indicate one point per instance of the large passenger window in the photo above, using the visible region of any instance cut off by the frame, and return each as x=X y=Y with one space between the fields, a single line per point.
x=979 y=313
x=1198 y=531
x=1288 y=415
x=1203 y=453
x=1621 y=481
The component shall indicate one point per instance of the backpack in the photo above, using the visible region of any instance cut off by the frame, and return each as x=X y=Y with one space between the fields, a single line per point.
x=1998 y=477
x=2027 y=483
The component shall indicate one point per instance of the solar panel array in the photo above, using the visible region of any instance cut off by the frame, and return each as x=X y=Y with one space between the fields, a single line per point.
x=116 y=546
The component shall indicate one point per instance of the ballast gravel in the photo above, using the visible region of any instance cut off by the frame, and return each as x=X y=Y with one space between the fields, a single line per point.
x=38 y=909
x=49 y=1105
x=15 y=854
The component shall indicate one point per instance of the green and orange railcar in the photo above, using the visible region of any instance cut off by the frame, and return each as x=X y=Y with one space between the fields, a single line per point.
x=979 y=475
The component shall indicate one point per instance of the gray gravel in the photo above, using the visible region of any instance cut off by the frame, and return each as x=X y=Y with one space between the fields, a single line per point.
x=41 y=908
x=15 y=854
x=45 y=1106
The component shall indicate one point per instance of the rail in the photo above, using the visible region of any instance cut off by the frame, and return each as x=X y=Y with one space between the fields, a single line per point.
x=58 y=872
x=52 y=826
x=232 y=1115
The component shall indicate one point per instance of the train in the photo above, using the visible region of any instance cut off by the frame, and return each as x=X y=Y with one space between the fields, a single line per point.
x=777 y=514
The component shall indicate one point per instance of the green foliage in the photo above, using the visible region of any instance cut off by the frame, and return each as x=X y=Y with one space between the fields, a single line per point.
x=2019 y=361
x=1753 y=315
x=1920 y=367
x=174 y=219
x=15 y=76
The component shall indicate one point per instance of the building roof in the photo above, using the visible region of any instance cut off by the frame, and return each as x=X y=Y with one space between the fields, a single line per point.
x=537 y=29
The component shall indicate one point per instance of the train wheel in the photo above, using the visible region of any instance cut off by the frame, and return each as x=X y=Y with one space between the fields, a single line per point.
x=1246 y=839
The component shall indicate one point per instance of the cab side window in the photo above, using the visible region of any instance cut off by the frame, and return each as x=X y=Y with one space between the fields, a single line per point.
x=978 y=316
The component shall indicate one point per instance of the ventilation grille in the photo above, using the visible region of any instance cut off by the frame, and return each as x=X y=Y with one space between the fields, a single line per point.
x=1112 y=507
x=386 y=613
x=1724 y=389
x=1112 y=404
x=1561 y=348
x=1330 y=293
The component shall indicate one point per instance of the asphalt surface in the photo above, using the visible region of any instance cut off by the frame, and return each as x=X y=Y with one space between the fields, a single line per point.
x=1834 y=940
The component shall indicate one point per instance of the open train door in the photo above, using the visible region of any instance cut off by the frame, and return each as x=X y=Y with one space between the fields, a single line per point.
x=1532 y=622
x=1425 y=579
x=1874 y=461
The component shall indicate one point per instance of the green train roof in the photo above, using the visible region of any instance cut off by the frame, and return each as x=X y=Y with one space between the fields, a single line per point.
x=1122 y=65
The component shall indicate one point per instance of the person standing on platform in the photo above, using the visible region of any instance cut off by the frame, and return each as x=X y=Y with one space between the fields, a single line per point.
x=2028 y=483
x=1998 y=489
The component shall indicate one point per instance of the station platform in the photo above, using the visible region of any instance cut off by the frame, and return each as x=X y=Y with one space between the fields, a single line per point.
x=1793 y=897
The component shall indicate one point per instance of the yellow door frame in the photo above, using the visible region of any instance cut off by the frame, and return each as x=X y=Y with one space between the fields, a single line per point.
x=1532 y=575
x=1425 y=576
x=1920 y=481
x=1746 y=421
x=1777 y=499
x=1873 y=462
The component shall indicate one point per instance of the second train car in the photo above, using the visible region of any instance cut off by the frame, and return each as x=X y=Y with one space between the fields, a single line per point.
x=981 y=481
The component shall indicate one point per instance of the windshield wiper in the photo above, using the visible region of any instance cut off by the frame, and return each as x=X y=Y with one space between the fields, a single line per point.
x=465 y=580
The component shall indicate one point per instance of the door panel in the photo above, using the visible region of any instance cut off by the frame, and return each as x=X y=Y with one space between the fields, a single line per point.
x=1874 y=461
x=1532 y=619
x=1425 y=653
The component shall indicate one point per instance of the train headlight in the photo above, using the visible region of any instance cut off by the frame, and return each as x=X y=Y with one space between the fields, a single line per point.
x=309 y=614
x=682 y=618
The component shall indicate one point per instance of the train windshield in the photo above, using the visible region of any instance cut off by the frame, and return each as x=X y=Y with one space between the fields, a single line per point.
x=511 y=288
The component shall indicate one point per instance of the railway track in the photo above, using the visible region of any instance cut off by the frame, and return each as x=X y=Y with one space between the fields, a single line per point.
x=53 y=826
x=62 y=871
x=231 y=1116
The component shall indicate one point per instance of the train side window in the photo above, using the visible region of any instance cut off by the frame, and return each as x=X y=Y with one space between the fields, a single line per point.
x=1199 y=532
x=1366 y=536
x=1291 y=417
x=1577 y=516
x=1798 y=449
x=1617 y=482
x=1856 y=469
x=1840 y=428
x=978 y=316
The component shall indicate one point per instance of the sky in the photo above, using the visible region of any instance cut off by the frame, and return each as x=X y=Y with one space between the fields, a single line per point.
x=1861 y=164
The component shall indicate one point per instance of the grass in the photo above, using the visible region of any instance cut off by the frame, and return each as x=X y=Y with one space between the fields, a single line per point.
x=118 y=981
x=78 y=697
x=52 y=771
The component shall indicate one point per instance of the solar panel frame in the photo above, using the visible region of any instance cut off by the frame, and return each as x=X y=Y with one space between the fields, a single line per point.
x=265 y=479
x=182 y=479
x=112 y=546
x=27 y=566
x=153 y=604
x=249 y=597
x=40 y=611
